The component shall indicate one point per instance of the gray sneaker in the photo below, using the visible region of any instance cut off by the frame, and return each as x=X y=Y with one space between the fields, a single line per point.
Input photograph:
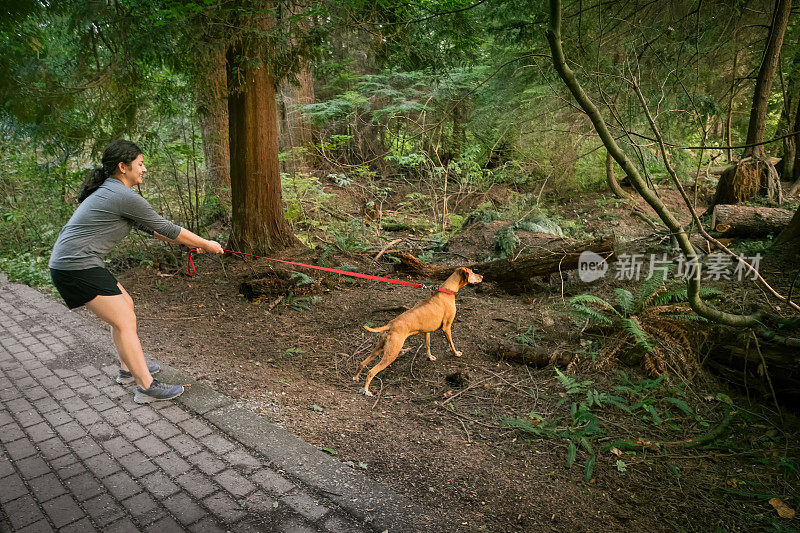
x=157 y=391
x=125 y=378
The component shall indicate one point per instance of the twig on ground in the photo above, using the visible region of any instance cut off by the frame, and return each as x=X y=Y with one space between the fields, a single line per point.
x=526 y=393
x=469 y=439
x=445 y=409
x=471 y=386
x=411 y=368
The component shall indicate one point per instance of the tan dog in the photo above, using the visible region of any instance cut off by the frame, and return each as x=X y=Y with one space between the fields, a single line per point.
x=437 y=311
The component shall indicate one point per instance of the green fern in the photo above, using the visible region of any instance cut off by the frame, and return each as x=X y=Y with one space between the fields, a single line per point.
x=583 y=312
x=571 y=384
x=677 y=292
x=301 y=279
x=625 y=299
x=505 y=242
x=668 y=296
x=641 y=338
x=709 y=292
x=591 y=299
x=649 y=287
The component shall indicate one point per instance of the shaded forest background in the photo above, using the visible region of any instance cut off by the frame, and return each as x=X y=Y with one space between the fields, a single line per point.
x=446 y=97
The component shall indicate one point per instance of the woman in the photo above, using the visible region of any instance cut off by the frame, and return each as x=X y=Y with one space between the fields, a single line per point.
x=108 y=210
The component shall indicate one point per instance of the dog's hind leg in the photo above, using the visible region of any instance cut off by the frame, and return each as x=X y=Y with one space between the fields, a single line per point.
x=390 y=352
x=375 y=352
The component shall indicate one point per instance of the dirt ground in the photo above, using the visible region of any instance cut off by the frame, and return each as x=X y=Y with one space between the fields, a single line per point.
x=433 y=429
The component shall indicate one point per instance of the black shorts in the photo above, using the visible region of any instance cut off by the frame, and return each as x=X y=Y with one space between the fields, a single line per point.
x=80 y=286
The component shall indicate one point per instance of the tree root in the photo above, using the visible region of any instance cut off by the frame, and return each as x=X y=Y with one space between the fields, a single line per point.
x=706 y=438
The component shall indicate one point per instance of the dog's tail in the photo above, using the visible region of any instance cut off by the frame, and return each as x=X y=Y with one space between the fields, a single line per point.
x=377 y=330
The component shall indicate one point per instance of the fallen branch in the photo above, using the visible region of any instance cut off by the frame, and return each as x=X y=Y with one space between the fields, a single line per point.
x=529 y=355
x=710 y=436
x=556 y=255
x=386 y=248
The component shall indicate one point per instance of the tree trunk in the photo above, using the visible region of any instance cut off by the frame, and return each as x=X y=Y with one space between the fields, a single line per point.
x=766 y=73
x=611 y=180
x=259 y=225
x=754 y=174
x=458 y=132
x=212 y=106
x=514 y=275
x=795 y=176
x=789 y=146
x=735 y=220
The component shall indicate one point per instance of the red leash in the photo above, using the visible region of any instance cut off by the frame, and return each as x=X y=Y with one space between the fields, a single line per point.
x=191 y=270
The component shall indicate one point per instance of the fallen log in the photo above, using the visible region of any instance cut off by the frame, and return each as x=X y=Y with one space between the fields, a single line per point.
x=555 y=255
x=742 y=365
x=530 y=355
x=742 y=221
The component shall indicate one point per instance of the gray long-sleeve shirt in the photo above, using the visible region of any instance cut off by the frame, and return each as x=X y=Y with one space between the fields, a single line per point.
x=100 y=222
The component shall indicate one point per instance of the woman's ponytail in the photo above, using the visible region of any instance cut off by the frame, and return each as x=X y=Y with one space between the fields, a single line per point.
x=94 y=179
x=115 y=153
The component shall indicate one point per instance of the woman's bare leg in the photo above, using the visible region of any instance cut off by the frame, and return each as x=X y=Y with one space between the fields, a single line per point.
x=122 y=364
x=117 y=311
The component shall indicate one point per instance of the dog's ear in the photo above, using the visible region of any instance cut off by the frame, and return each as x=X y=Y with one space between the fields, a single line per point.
x=463 y=276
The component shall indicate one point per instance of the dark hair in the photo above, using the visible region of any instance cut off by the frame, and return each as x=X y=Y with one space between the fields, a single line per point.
x=115 y=153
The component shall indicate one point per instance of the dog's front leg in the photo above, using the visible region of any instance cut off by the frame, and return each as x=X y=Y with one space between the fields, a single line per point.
x=449 y=337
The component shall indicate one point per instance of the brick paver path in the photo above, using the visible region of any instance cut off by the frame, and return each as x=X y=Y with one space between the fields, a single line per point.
x=76 y=454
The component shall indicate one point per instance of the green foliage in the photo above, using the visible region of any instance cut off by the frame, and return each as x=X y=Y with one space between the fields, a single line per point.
x=299 y=303
x=625 y=301
x=27 y=269
x=301 y=279
x=650 y=395
x=506 y=240
x=582 y=309
x=584 y=425
x=341 y=108
x=292 y=352
x=751 y=247
x=303 y=195
x=483 y=213
x=648 y=400
x=788 y=467
x=529 y=337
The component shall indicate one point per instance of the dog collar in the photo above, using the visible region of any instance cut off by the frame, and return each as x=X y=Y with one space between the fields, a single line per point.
x=446 y=291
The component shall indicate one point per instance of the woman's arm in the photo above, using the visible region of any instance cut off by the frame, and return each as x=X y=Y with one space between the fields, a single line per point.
x=193 y=241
